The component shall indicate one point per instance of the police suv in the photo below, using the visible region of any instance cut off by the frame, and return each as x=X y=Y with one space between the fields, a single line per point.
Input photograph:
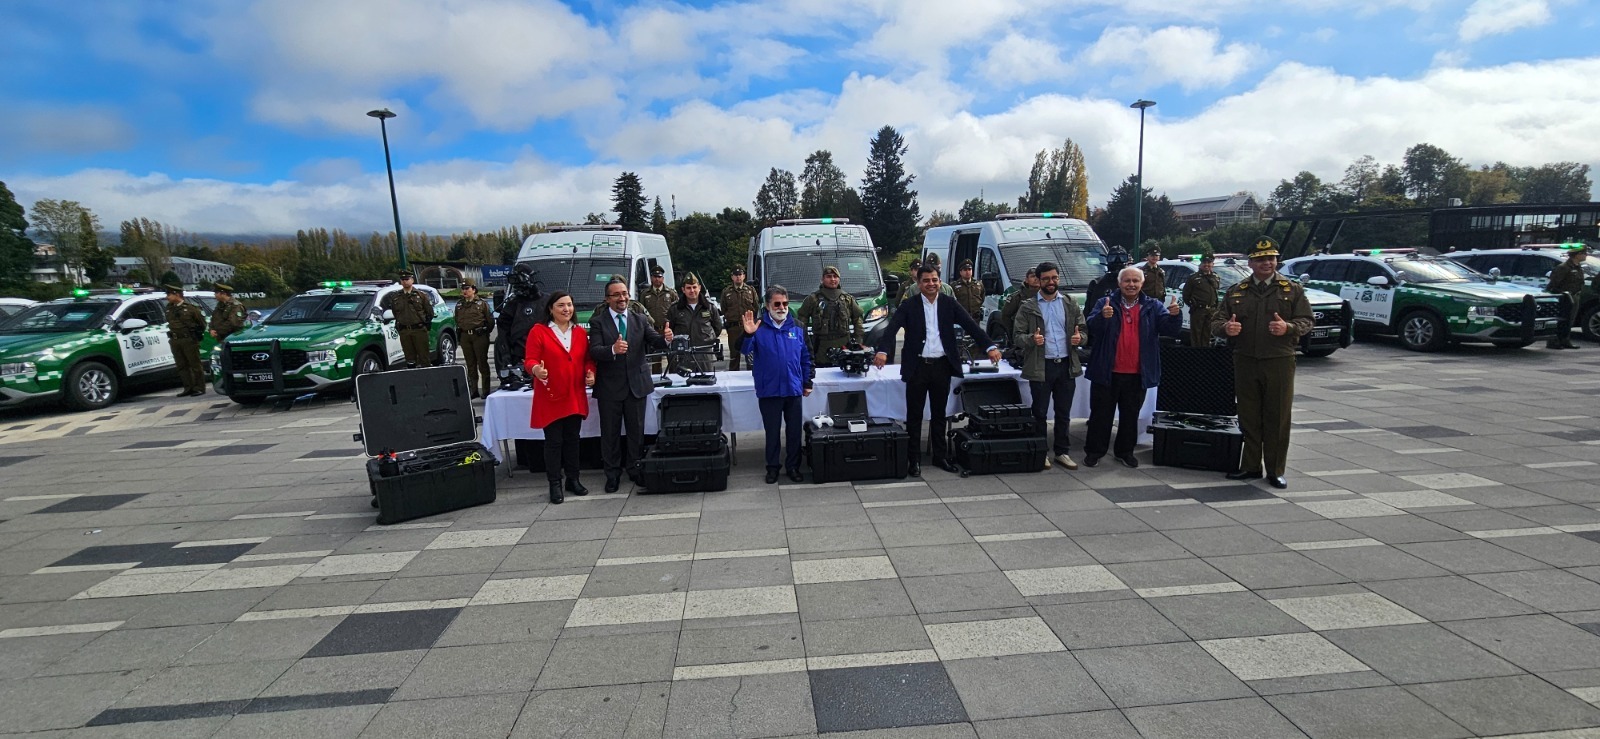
x=321 y=339
x=1428 y=301
x=1331 y=314
x=84 y=349
x=1531 y=266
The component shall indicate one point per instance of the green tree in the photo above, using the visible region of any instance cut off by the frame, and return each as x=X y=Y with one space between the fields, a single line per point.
x=710 y=246
x=1556 y=182
x=1300 y=196
x=1433 y=176
x=595 y=219
x=888 y=203
x=822 y=187
x=1489 y=185
x=97 y=261
x=16 y=249
x=658 y=218
x=978 y=210
x=62 y=222
x=940 y=218
x=1114 y=223
x=252 y=277
x=147 y=240
x=778 y=197
x=1058 y=183
x=629 y=203
x=170 y=277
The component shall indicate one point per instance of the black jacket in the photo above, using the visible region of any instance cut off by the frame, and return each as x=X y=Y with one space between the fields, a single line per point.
x=617 y=377
x=908 y=316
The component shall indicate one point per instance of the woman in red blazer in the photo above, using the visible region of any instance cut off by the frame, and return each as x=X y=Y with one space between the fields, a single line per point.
x=557 y=357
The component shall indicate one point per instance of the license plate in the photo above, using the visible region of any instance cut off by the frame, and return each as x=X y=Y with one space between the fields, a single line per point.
x=1319 y=333
x=258 y=377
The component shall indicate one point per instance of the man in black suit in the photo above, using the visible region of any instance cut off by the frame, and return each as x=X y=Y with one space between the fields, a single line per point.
x=619 y=339
x=930 y=360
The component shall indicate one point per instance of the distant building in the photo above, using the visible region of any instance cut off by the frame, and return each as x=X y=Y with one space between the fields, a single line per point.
x=1204 y=214
x=48 y=267
x=191 y=271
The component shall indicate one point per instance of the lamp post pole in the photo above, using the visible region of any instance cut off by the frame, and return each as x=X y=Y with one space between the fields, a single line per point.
x=383 y=116
x=1138 y=188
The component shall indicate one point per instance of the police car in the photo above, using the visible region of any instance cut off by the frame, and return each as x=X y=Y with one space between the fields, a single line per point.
x=321 y=339
x=1428 y=301
x=84 y=349
x=12 y=306
x=1531 y=266
x=1331 y=314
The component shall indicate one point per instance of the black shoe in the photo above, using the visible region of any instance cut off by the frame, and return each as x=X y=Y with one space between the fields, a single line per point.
x=796 y=476
x=1278 y=482
x=1092 y=460
x=772 y=475
x=198 y=393
x=914 y=469
x=949 y=466
x=1243 y=475
x=575 y=487
x=555 y=493
x=183 y=394
x=613 y=483
x=1128 y=460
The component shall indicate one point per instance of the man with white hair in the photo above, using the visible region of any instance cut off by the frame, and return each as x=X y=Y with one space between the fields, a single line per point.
x=1124 y=329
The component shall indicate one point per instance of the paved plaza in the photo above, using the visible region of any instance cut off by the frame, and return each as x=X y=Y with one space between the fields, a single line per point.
x=189 y=568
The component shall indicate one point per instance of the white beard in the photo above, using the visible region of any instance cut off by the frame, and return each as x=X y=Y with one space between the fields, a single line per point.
x=778 y=317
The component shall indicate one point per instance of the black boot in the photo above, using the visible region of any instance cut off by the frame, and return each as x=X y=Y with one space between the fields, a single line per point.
x=555 y=492
x=575 y=487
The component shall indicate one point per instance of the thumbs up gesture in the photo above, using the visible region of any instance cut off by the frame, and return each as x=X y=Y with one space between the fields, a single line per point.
x=1108 y=311
x=1038 y=337
x=1173 y=307
x=1233 y=327
x=540 y=371
x=666 y=333
x=1077 y=338
x=1277 y=326
x=588 y=379
x=620 y=347
x=749 y=320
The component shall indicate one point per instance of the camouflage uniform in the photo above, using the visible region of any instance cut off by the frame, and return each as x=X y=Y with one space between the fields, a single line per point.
x=186 y=325
x=834 y=318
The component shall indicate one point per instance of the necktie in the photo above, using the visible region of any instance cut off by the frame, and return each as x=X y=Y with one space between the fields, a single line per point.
x=622 y=327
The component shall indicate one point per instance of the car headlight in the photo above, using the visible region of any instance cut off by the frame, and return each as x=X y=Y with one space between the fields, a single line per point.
x=877 y=313
x=321 y=356
x=1481 y=310
x=11 y=369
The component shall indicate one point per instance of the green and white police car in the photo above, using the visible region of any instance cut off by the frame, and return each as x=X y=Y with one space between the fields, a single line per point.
x=320 y=340
x=1530 y=266
x=1429 y=301
x=1332 y=317
x=85 y=349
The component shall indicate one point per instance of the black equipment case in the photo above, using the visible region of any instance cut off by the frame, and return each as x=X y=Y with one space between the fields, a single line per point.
x=836 y=453
x=1196 y=423
x=689 y=458
x=418 y=427
x=975 y=455
x=1001 y=435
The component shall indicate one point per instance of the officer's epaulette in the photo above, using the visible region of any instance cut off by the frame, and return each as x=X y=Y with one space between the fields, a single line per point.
x=1244 y=284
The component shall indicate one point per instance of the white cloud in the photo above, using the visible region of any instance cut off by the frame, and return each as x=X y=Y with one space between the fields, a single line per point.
x=1020 y=60
x=1186 y=55
x=1493 y=17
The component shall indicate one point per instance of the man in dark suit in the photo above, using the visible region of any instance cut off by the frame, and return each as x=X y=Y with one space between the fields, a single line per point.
x=930 y=360
x=619 y=339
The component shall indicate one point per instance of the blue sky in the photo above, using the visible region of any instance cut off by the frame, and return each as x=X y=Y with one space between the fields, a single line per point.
x=249 y=116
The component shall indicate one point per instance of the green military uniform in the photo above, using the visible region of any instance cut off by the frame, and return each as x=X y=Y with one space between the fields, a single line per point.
x=413 y=316
x=1566 y=279
x=1263 y=364
x=969 y=293
x=186 y=325
x=736 y=300
x=1200 y=294
x=1155 y=281
x=701 y=323
x=229 y=315
x=657 y=300
x=834 y=318
x=1008 y=310
x=474 y=323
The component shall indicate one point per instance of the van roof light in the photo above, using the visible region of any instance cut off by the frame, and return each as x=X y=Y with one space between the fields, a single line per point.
x=584 y=227
x=1015 y=216
x=812 y=221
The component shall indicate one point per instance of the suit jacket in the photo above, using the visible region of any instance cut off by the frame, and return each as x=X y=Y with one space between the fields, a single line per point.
x=909 y=317
x=617 y=377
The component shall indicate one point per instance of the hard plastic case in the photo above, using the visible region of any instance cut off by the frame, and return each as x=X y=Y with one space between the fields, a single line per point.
x=425 y=414
x=987 y=456
x=994 y=410
x=1203 y=442
x=690 y=473
x=689 y=424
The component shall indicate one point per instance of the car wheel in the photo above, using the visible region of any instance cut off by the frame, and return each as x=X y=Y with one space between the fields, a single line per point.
x=368 y=362
x=447 y=349
x=1420 y=331
x=1319 y=353
x=89 y=386
x=1589 y=322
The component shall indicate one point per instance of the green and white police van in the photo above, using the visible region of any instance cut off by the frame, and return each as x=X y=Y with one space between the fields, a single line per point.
x=1530 y=266
x=1330 y=314
x=1429 y=301
x=84 y=350
x=581 y=260
x=793 y=252
x=320 y=340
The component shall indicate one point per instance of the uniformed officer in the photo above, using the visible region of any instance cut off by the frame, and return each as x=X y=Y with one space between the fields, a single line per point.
x=186 y=325
x=658 y=298
x=1106 y=284
x=968 y=291
x=833 y=317
x=1567 y=279
x=1200 y=294
x=1029 y=289
x=229 y=315
x=737 y=298
x=1263 y=318
x=1155 y=281
x=413 y=315
x=692 y=315
x=474 y=323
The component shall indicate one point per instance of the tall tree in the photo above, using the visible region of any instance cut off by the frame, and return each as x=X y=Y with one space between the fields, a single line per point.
x=977 y=210
x=889 y=205
x=1433 y=176
x=1114 y=223
x=1556 y=182
x=1057 y=183
x=629 y=203
x=658 y=218
x=16 y=249
x=941 y=218
x=147 y=240
x=1297 y=197
x=97 y=262
x=61 y=221
x=778 y=197
x=1491 y=184
x=822 y=193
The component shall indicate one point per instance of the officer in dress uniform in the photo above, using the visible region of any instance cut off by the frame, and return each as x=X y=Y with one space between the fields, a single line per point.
x=658 y=298
x=833 y=317
x=1567 y=279
x=413 y=315
x=1263 y=318
x=969 y=293
x=1200 y=294
x=1155 y=280
x=474 y=323
x=185 y=327
x=737 y=299
x=693 y=316
x=229 y=315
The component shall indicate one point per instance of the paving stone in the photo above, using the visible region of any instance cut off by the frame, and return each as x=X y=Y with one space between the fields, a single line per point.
x=1100 y=724
x=476 y=670
x=740 y=644
x=1281 y=656
x=884 y=697
x=864 y=635
x=1507 y=705
x=747 y=706
x=332 y=723
x=1449 y=598
x=1346 y=611
x=484 y=715
x=1159 y=674
x=609 y=660
x=1534 y=643
x=1116 y=623
x=849 y=600
x=1251 y=717
x=350 y=672
x=133 y=650
x=1548 y=590
x=1365 y=713
x=1222 y=615
x=1024 y=685
x=994 y=638
x=962 y=592
x=1286 y=569
x=1471 y=556
x=1417 y=653
x=40 y=703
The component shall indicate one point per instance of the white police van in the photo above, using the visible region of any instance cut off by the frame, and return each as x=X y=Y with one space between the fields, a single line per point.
x=581 y=260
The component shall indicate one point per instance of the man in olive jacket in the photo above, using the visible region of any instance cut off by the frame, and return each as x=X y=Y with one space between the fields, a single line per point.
x=1048 y=331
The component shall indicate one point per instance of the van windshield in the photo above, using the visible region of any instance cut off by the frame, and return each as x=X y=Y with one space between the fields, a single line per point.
x=801 y=272
x=1427 y=271
x=584 y=278
x=1081 y=262
x=325 y=308
x=58 y=317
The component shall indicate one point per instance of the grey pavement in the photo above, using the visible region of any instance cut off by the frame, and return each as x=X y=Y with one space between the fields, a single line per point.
x=186 y=567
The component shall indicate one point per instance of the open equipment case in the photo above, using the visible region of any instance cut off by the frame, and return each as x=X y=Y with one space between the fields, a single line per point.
x=1196 y=424
x=1001 y=434
x=691 y=453
x=880 y=449
x=419 y=431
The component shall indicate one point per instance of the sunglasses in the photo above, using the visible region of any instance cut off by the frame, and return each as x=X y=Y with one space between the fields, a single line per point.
x=780 y=303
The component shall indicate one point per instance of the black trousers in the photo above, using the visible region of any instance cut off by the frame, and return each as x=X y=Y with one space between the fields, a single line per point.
x=1058 y=386
x=1124 y=397
x=782 y=414
x=561 y=448
x=617 y=415
x=927 y=382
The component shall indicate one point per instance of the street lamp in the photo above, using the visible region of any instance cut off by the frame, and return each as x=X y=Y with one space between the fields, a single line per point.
x=383 y=116
x=1138 y=189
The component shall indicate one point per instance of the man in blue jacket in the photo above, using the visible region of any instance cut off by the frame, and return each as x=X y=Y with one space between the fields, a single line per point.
x=1124 y=330
x=780 y=364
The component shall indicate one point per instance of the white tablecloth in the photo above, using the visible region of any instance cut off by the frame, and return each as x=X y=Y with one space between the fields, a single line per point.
x=507 y=414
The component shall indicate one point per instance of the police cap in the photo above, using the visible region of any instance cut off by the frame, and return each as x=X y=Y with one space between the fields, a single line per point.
x=657 y=271
x=966 y=264
x=1265 y=247
x=222 y=288
x=173 y=289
